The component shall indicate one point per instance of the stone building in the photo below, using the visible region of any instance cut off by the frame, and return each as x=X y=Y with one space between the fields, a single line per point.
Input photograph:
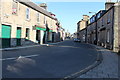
x=81 y=25
x=24 y=22
x=107 y=28
x=82 y=35
x=104 y=29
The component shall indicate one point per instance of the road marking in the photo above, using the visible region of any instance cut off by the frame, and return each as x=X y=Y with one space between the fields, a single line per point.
x=27 y=46
x=69 y=46
x=19 y=47
x=9 y=58
x=13 y=58
x=57 y=42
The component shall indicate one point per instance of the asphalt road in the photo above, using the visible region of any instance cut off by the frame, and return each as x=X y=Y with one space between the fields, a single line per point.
x=56 y=61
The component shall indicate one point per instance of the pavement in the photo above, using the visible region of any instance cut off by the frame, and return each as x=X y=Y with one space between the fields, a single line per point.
x=29 y=46
x=107 y=69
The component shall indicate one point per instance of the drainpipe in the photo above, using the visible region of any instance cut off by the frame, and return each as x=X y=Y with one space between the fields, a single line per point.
x=0 y=40
x=113 y=29
x=96 y=41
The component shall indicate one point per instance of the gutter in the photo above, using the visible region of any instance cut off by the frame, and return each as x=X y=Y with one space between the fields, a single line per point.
x=84 y=71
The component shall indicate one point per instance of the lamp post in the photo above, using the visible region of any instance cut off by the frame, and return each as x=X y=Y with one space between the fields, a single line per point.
x=96 y=34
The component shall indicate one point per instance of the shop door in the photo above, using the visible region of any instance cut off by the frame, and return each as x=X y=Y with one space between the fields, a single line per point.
x=38 y=36
x=6 y=36
x=18 y=36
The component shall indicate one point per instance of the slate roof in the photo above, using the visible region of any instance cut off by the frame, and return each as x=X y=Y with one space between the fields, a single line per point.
x=36 y=7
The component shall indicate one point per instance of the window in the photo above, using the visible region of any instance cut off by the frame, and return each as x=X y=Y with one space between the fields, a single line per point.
x=14 y=7
x=38 y=17
x=108 y=36
x=102 y=22
x=44 y=20
x=51 y=23
x=27 y=13
x=27 y=33
x=98 y=16
x=93 y=19
x=108 y=18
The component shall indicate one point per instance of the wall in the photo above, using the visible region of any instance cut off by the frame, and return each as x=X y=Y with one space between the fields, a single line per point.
x=19 y=20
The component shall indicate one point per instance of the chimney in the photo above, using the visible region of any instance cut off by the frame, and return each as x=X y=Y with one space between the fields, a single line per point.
x=43 y=5
x=85 y=17
x=109 y=4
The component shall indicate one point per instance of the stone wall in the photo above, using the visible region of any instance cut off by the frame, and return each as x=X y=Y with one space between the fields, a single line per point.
x=19 y=20
x=116 y=28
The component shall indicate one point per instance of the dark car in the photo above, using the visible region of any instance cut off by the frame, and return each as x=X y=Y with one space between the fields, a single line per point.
x=76 y=40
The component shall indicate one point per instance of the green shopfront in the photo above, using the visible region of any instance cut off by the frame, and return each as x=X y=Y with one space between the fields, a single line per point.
x=18 y=36
x=43 y=35
x=6 y=36
x=40 y=32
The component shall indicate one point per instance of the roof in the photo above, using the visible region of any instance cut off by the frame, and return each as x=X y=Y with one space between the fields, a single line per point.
x=36 y=7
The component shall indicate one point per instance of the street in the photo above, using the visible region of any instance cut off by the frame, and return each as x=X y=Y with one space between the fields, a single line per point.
x=54 y=61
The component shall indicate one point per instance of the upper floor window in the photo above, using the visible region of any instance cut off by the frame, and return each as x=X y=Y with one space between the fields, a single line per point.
x=44 y=20
x=27 y=13
x=108 y=36
x=14 y=7
x=98 y=16
x=108 y=18
x=38 y=17
x=102 y=21
x=51 y=23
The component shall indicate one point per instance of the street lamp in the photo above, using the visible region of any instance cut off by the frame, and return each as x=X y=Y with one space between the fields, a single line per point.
x=96 y=40
x=92 y=12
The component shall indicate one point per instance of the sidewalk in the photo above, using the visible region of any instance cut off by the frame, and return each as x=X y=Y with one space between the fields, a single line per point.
x=28 y=46
x=18 y=47
x=107 y=69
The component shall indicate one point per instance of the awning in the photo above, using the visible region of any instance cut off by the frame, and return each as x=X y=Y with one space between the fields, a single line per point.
x=38 y=28
x=50 y=30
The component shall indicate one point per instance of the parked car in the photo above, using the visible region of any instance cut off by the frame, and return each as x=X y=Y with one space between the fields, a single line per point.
x=67 y=38
x=76 y=40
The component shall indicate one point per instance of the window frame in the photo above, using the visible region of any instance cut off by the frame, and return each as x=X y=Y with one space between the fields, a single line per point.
x=27 y=13
x=27 y=34
x=38 y=17
x=44 y=19
x=108 y=18
x=108 y=36
x=15 y=7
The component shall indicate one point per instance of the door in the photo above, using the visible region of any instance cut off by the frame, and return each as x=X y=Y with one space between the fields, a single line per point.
x=38 y=36
x=18 y=36
x=6 y=36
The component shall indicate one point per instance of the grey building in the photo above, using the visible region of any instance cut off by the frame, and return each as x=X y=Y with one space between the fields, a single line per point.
x=104 y=28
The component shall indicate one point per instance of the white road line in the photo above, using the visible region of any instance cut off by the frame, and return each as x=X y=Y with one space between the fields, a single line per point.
x=19 y=47
x=30 y=56
x=56 y=43
x=13 y=58
x=9 y=58
x=28 y=46
x=69 y=46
